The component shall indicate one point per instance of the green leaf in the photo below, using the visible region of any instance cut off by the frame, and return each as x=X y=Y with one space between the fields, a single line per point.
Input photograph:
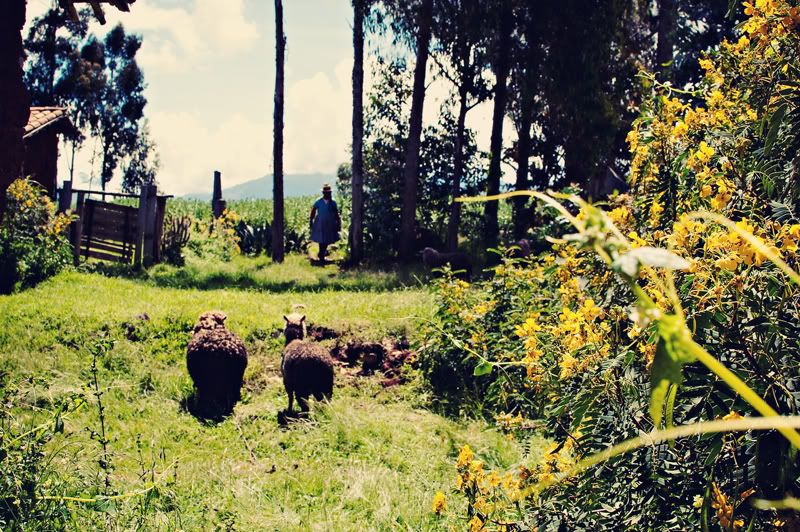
x=774 y=126
x=484 y=368
x=667 y=368
x=629 y=263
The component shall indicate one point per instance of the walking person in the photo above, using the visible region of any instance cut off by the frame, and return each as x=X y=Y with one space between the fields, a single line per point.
x=325 y=222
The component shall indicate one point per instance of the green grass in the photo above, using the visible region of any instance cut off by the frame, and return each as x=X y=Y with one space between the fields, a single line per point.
x=294 y=274
x=370 y=460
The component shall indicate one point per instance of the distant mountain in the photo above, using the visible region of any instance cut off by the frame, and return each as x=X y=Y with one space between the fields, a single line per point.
x=261 y=188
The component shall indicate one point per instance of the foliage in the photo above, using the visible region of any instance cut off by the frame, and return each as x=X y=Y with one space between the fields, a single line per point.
x=33 y=243
x=122 y=101
x=53 y=40
x=385 y=136
x=217 y=238
x=101 y=84
x=142 y=165
x=26 y=479
x=177 y=231
x=552 y=338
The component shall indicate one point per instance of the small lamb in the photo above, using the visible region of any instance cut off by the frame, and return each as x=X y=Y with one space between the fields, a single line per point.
x=458 y=260
x=307 y=367
x=216 y=359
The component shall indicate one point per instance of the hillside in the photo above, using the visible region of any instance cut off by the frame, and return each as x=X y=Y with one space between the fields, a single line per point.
x=261 y=188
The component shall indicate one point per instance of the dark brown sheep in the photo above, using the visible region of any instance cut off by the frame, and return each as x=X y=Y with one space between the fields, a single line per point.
x=521 y=249
x=457 y=260
x=307 y=367
x=216 y=359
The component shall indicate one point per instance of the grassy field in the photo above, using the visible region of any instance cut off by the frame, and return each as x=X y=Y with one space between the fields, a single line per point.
x=372 y=459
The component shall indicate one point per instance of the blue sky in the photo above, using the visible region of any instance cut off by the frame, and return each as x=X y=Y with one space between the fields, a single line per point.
x=210 y=67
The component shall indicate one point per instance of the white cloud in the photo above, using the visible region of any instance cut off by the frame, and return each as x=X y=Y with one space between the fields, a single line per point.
x=179 y=38
x=318 y=116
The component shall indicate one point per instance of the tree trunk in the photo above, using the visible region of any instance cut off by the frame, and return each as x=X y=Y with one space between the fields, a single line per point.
x=411 y=170
x=357 y=194
x=277 y=147
x=521 y=214
x=15 y=107
x=501 y=67
x=667 y=16
x=458 y=170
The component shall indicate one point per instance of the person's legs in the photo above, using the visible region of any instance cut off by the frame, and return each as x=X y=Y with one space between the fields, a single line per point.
x=323 y=251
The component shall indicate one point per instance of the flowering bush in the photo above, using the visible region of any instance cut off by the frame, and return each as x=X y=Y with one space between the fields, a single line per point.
x=219 y=239
x=556 y=341
x=33 y=242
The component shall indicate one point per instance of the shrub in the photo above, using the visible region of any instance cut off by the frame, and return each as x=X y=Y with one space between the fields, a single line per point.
x=33 y=242
x=552 y=339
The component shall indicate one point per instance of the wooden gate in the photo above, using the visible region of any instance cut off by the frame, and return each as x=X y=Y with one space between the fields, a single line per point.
x=116 y=232
x=109 y=231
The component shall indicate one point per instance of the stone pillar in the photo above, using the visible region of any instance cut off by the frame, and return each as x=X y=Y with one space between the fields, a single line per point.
x=217 y=203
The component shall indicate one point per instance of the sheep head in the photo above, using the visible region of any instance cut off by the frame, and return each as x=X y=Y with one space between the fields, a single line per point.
x=208 y=321
x=295 y=328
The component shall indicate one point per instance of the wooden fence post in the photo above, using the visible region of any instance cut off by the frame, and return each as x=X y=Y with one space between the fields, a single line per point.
x=77 y=229
x=141 y=216
x=149 y=225
x=161 y=209
x=65 y=197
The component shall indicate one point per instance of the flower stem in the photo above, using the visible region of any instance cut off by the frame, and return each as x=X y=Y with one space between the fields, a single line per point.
x=739 y=386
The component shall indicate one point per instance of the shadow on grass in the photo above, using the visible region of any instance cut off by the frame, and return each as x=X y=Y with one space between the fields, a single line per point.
x=206 y=412
x=296 y=274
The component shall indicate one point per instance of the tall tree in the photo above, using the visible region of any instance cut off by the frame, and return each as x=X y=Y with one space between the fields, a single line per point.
x=525 y=78
x=411 y=169
x=142 y=165
x=667 y=19
x=500 y=66
x=460 y=41
x=15 y=109
x=121 y=102
x=357 y=193
x=277 y=147
x=52 y=41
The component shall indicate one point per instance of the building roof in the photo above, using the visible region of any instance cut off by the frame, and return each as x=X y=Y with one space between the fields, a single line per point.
x=41 y=117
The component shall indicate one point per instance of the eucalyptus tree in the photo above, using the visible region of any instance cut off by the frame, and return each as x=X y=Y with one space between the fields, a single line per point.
x=277 y=146
x=501 y=17
x=121 y=102
x=416 y=19
x=52 y=41
x=360 y=13
x=526 y=105
x=460 y=51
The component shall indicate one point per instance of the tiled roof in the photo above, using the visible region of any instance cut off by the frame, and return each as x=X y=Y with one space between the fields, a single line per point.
x=42 y=117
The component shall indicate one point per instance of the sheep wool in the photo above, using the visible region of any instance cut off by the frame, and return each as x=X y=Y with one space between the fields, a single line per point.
x=307 y=367
x=216 y=359
x=458 y=261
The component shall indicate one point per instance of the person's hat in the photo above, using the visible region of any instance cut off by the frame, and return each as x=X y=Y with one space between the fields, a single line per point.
x=326 y=187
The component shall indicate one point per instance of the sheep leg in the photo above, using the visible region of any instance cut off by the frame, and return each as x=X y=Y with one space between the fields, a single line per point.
x=303 y=402
x=291 y=401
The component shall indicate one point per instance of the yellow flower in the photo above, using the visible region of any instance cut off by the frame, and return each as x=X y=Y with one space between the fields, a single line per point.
x=439 y=503
x=621 y=216
x=475 y=524
x=698 y=501
x=680 y=130
x=732 y=415
x=706 y=191
x=656 y=209
x=464 y=457
x=729 y=262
